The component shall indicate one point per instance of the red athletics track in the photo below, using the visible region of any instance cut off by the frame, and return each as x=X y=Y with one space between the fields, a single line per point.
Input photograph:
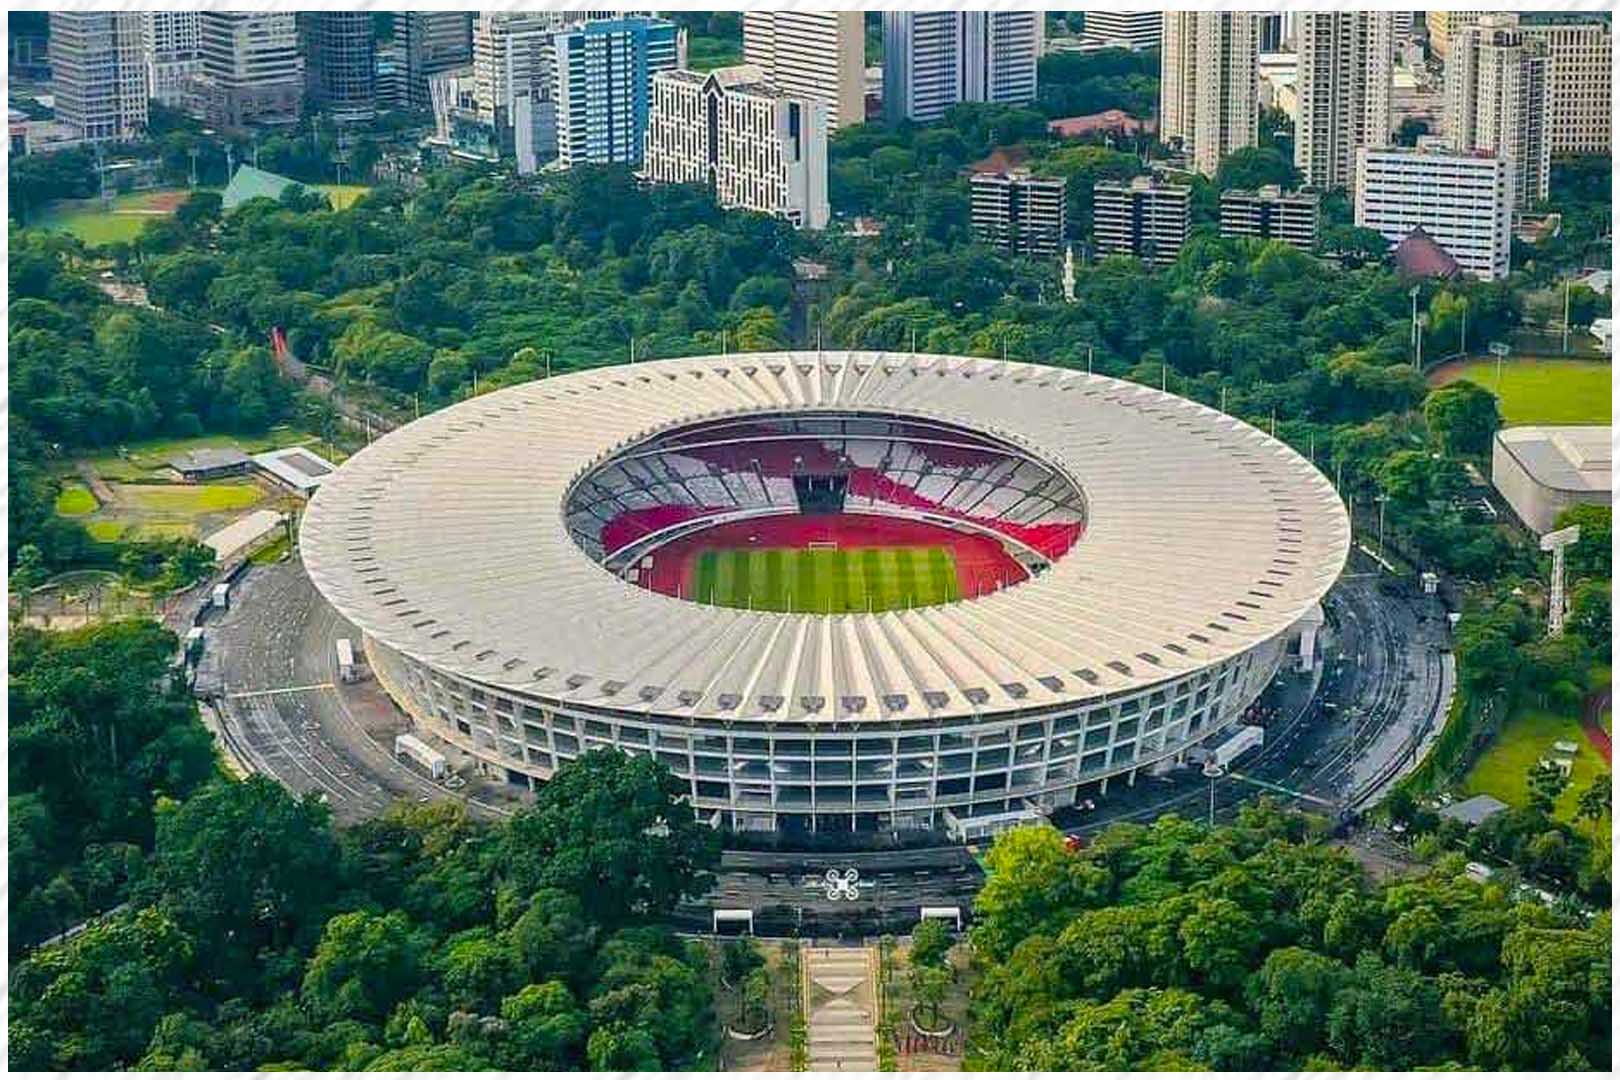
x=982 y=564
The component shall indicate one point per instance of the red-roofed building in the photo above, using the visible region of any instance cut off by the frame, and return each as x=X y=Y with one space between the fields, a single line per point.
x=1110 y=120
x=1420 y=256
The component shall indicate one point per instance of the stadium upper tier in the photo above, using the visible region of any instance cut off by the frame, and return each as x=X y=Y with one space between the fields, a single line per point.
x=871 y=463
x=475 y=539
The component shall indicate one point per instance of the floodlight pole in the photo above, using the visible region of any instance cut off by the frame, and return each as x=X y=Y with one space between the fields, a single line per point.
x=1566 y=315
x=1556 y=542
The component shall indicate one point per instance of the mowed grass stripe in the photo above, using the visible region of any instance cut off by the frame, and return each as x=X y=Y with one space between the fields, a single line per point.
x=823 y=580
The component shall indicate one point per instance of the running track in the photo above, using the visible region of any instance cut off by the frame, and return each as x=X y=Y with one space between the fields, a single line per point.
x=1592 y=723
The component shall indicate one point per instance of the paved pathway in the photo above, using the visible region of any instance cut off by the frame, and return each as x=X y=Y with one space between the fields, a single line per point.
x=839 y=996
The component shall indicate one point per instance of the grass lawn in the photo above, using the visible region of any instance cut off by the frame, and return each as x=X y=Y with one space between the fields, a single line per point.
x=825 y=579
x=343 y=196
x=1538 y=390
x=75 y=500
x=105 y=532
x=122 y=220
x=165 y=530
x=147 y=459
x=191 y=498
x=1527 y=738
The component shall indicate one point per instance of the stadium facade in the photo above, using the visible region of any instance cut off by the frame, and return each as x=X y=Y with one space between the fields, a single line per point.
x=502 y=559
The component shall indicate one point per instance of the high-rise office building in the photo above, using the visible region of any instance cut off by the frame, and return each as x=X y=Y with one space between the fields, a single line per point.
x=933 y=60
x=1209 y=84
x=1143 y=217
x=1276 y=31
x=1580 y=85
x=742 y=136
x=433 y=41
x=1463 y=201
x=812 y=56
x=1134 y=29
x=1346 y=69
x=1269 y=213
x=603 y=86
x=173 y=48
x=340 y=63
x=1497 y=99
x=98 y=74
x=1019 y=212
x=514 y=84
x=252 y=72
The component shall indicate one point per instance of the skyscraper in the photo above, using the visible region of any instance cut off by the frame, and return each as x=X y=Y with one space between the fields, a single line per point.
x=1497 y=99
x=173 y=48
x=340 y=54
x=1209 y=85
x=1580 y=85
x=730 y=129
x=1441 y=25
x=603 y=86
x=433 y=41
x=98 y=73
x=936 y=59
x=1345 y=72
x=813 y=56
x=252 y=70
x=514 y=85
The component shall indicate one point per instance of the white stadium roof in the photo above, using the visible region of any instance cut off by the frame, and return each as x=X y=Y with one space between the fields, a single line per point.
x=446 y=541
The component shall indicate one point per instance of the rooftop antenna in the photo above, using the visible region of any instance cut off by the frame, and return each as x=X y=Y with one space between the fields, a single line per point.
x=1556 y=542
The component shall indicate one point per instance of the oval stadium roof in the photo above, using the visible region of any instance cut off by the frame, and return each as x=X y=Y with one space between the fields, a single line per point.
x=446 y=541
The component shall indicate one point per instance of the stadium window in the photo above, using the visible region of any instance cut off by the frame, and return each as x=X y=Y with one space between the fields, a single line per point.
x=1125 y=729
x=711 y=766
x=1066 y=723
x=951 y=763
x=1022 y=778
x=596 y=727
x=677 y=763
x=1130 y=706
x=1094 y=762
x=995 y=738
x=671 y=742
x=1124 y=753
x=867 y=748
x=797 y=747
x=1034 y=730
x=633 y=735
x=564 y=743
x=957 y=786
x=793 y=796
x=1064 y=745
x=751 y=745
x=913 y=743
x=1029 y=752
x=993 y=759
x=954 y=741
x=834 y=748
x=833 y=770
x=1098 y=737
x=709 y=789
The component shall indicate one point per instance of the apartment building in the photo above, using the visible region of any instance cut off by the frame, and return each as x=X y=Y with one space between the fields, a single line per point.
x=1580 y=85
x=812 y=56
x=252 y=70
x=1270 y=213
x=1442 y=25
x=1344 y=84
x=514 y=85
x=1144 y=217
x=1209 y=84
x=98 y=74
x=172 y=41
x=933 y=60
x=1462 y=200
x=1020 y=213
x=756 y=147
x=1132 y=29
x=1497 y=99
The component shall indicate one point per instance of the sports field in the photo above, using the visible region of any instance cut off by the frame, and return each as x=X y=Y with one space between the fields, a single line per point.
x=122 y=218
x=1527 y=738
x=825 y=580
x=1539 y=390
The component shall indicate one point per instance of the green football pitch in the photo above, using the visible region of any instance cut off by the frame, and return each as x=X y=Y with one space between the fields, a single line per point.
x=825 y=580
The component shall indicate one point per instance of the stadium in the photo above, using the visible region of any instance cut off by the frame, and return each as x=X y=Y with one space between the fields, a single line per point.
x=842 y=592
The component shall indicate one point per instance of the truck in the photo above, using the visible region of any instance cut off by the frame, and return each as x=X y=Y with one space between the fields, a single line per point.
x=345 y=660
x=1246 y=736
x=222 y=595
x=420 y=752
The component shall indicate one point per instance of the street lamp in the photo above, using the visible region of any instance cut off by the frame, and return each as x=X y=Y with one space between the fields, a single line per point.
x=1381 y=499
x=1414 y=295
x=1214 y=771
x=1500 y=350
x=1422 y=324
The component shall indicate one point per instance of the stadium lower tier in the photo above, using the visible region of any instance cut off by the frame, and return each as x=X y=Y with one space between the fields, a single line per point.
x=939 y=775
x=828 y=563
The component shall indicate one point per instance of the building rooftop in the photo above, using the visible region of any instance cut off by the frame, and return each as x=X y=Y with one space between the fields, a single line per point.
x=1420 y=255
x=252 y=183
x=207 y=459
x=447 y=541
x=1574 y=458
x=1070 y=127
x=1474 y=811
x=296 y=466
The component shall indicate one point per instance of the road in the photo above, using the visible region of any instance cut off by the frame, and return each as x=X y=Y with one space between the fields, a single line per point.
x=269 y=666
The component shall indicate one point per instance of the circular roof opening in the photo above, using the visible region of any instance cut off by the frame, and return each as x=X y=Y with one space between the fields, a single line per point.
x=825 y=512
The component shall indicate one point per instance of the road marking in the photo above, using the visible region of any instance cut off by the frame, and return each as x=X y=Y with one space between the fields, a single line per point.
x=1283 y=790
x=240 y=694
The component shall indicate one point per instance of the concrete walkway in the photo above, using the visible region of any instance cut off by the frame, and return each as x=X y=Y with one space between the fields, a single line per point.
x=840 y=1005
